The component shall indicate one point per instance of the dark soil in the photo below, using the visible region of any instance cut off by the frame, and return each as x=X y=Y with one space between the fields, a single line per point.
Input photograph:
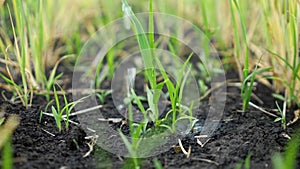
x=238 y=135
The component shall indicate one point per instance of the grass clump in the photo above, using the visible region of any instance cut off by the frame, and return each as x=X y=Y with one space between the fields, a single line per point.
x=34 y=37
x=175 y=91
x=60 y=111
x=282 y=118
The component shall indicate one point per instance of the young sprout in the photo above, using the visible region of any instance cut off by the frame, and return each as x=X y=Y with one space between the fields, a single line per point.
x=58 y=111
x=178 y=112
x=75 y=143
x=248 y=82
x=102 y=95
x=282 y=118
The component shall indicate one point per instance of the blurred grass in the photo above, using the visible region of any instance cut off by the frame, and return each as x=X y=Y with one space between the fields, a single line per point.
x=55 y=28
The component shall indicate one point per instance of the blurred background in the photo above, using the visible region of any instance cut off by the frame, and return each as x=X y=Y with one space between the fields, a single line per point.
x=34 y=35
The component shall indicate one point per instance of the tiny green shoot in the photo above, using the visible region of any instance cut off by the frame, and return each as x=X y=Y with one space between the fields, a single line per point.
x=75 y=143
x=247 y=85
x=282 y=118
x=59 y=111
x=102 y=95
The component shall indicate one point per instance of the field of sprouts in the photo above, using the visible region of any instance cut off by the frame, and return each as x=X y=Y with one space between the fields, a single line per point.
x=149 y=84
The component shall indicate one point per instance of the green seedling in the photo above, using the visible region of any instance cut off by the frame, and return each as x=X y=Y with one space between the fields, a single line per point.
x=203 y=72
x=175 y=91
x=16 y=89
x=282 y=118
x=202 y=86
x=247 y=85
x=53 y=77
x=45 y=110
x=111 y=62
x=106 y=71
x=75 y=143
x=146 y=51
x=58 y=118
x=153 y=108
x=246 y=89
x=278 y=96
x=58 y=111
x=102 y=95
x=136 y=100
x=148 y=59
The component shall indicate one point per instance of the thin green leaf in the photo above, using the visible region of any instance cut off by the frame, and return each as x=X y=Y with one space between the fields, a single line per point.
x=144 y=46
x=138 y=101
x=57 y=118
x=278 y=96
x=277 y=119
x=56 y=99
x=247 y=161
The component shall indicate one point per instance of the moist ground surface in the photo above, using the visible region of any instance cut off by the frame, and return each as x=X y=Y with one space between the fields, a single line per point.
x=40 y=145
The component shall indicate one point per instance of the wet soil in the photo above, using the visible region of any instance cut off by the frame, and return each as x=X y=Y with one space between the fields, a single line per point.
x=40 y=145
